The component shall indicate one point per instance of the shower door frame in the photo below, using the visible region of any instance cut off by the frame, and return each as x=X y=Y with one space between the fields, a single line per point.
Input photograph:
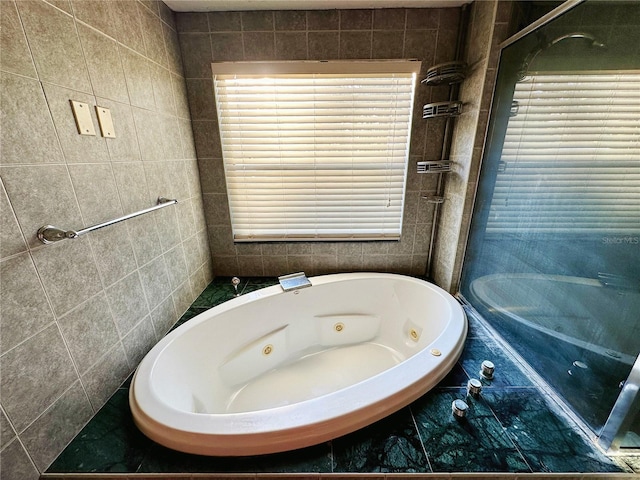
x=627 y=405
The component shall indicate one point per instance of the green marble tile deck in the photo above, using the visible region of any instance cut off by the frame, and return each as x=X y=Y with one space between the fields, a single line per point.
x=510 y=428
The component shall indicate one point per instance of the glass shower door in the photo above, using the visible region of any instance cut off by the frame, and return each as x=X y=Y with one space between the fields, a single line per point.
x=553 y=259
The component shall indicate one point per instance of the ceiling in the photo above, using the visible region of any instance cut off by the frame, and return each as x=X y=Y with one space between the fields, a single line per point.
x=223 y=5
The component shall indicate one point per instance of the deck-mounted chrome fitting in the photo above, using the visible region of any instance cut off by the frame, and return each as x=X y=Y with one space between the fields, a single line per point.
x=459 y=408
x=235 y=281
x=486 y=370
x=474 y=387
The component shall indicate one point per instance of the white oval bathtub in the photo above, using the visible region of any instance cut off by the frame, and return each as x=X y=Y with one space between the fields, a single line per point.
x=272 y=371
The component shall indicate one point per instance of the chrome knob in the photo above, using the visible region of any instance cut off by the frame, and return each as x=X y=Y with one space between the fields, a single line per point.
x=486 y=369
x=474 y=387
x=459 y=408
x=235 y=281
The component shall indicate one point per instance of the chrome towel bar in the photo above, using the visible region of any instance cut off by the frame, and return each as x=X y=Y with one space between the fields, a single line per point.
x=50 y=234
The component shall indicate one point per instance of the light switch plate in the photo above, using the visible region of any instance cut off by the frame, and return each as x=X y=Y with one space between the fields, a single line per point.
x=82 y=114
x=106 y=122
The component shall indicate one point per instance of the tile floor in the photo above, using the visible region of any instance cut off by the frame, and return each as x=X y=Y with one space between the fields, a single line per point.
x=513 y=428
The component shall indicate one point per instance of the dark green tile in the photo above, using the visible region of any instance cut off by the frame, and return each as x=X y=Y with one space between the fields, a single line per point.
x=110 y=442
x=507 y=374
x=315 y=459
x=262 y=282
x=391 y=445
x=548 y=442
x=188 y=315
x=217 y=292
x=476 y=443
x=457 y=377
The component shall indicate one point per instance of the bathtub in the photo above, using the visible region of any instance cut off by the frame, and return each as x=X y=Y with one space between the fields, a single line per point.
x=580 y=312
x=272 y=371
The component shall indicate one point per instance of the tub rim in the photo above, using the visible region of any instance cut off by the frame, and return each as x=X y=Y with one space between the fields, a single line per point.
x=303 y=423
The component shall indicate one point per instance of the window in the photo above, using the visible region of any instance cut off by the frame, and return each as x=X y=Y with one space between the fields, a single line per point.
x=315 y=150
x=570 y=160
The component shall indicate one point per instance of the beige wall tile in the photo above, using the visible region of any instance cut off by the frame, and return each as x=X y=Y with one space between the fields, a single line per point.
x=32 y=137
x=6 y=430
x=183 y=297
x=132 y=186
x=196 y=54
x=127 y=26
x=139 y=341
x=123 y=148
x=153 y=37
x=144 y=238
x=180 y=96
x=68 y=272
x=113 y=252
x=162 y=89
x=127 y=302
x=27 y=370
x=15 y=463
x=96 y=191
x=55 y=45
x=355 y=45
x=32 y=191
x=155 y=282
x=96 y=13
x=290 y=20
x=356 y=19
x=11 y=239
x=164 y=317
x=202 y=105
x=89 y=331
x=174 y=57
x=149 y=131
x=137 y=73
x=103 y=62
x=24 y=307
x=195 y=22
x=104 y=377
x=16 y=57
x=323 y=20
x=291 y=46
x=176 y=266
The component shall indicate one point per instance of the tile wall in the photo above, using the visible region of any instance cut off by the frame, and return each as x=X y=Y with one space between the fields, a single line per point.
x=427 y=34
x=77 y=316
x=489 y=25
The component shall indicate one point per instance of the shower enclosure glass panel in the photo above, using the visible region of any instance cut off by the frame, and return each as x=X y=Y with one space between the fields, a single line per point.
x=553 y=260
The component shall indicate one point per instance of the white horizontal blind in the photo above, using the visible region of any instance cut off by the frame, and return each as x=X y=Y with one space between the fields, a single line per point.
x=315 y=156
x=571 y=157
